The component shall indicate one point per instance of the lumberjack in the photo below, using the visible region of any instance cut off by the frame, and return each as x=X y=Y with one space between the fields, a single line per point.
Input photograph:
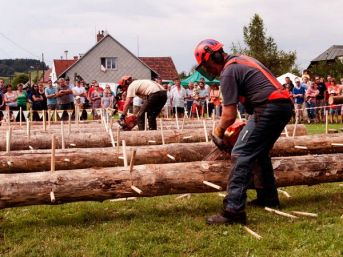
x=244 y=79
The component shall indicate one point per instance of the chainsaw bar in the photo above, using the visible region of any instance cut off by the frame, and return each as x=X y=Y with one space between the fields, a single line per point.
x=216 y=154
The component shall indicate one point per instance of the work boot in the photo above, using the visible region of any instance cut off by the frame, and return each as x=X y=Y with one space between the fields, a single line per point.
x=226 y=217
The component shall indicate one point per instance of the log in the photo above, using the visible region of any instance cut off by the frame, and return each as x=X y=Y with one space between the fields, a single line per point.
x=153 y=180
x=335 y=100
x=91 y=140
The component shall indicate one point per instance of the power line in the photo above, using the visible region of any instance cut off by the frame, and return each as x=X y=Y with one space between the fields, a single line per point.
x=14 y=43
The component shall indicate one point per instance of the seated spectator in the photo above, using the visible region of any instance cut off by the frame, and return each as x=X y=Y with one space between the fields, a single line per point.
x=177 y=96
x=311 y=95
x=21 y=101
x=65 y=98
x=10 y=100
x=334 y=90
x=298 y=96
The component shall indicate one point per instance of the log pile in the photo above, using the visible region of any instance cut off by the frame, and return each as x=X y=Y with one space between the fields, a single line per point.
x=91 y=166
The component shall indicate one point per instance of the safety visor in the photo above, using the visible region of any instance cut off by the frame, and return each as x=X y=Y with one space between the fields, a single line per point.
x=204 y=72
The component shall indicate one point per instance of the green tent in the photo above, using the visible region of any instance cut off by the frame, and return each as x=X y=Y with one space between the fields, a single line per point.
x=195 y=77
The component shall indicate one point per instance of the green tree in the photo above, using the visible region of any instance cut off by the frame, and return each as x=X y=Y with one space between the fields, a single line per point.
x=264 y=48
x=21 y=78
x=325 y=68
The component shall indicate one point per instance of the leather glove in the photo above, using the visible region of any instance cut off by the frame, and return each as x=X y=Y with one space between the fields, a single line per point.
x=217 y=138
x=122 y=116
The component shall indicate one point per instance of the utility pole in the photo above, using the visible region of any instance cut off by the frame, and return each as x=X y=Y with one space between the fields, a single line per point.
x=43 y=67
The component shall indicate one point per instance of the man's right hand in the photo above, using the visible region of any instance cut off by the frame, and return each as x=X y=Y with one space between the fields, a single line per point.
x=122 y=116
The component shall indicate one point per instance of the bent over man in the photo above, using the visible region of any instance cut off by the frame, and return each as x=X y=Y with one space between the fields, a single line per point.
x=154 y=96
x=244 y=79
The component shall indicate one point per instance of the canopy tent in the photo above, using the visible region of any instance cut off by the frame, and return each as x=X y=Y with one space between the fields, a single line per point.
x=195 y=77
x=292 y=77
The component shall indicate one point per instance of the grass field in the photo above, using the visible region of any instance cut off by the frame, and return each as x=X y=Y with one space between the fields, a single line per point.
x=165 y=226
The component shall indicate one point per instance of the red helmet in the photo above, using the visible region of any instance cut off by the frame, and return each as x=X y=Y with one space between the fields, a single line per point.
x=205 y=48
x=124 y=79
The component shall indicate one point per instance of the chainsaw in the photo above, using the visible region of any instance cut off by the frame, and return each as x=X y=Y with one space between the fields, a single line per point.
x=128 y=123
x=230 y=137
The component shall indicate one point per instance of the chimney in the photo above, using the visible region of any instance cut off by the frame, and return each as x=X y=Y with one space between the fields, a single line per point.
x=100 y=36
x=66 y=54
x=75 y=57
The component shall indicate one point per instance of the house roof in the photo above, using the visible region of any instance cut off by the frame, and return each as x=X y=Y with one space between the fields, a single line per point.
x=164 y=66
x=62 y=65
x=99 y=42
x=330 y=54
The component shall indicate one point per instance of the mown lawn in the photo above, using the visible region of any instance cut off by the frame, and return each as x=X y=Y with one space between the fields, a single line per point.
x=165 y=226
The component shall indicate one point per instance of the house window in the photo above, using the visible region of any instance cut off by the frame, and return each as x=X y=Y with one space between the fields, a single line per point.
x=109 y=63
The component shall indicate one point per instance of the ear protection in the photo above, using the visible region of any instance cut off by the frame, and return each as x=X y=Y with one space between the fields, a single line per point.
x=217 y=56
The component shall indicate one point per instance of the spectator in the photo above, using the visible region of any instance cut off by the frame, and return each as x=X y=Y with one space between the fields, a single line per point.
x=10 y=99
x=21 y=101
x=38 y=101
x=334 y=90
x=189 y=97
x=320 y=101
x=306 y=75
x=288 y=84
x=166 y=109
x=298 y=96
x=80 y=91
x=305 y=84
x=51 y=96
x=215 y=101
x=196 y=106
x=203 y=97
x=96 y=100
x=65 y=98
x=107 y=99
x=178 y=96
x=311 y=95
x=2 y=93
x=68 y=84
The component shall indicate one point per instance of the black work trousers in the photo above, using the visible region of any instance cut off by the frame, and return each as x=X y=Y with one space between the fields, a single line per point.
x=252 y=148
x=152 y=106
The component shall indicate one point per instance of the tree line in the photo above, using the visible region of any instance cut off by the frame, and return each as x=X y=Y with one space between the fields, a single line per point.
x=8 y=67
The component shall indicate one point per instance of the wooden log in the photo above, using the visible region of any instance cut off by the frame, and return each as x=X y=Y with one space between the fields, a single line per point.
x=335 y=100
x=153 y=180
x=81 y=158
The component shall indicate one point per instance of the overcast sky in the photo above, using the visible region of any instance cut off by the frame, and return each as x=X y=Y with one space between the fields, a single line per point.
x=164 y=27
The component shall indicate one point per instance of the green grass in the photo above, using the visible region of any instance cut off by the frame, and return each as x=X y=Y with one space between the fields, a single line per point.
x=164 y=226
x=319 y=128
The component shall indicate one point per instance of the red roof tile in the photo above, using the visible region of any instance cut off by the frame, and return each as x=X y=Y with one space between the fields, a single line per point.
x=62 y=65
x=164 y=66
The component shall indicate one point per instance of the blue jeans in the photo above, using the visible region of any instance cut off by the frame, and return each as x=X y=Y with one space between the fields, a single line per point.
x=252 y=148
x=311 y=112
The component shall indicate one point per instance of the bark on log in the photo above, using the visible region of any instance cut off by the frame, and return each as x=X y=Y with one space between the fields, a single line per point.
x=91 y=140
x=335 y=100
x=153 y=180
x=81 y=158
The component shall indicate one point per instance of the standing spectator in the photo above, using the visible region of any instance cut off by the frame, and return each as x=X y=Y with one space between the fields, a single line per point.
x=137 y=104
x=2 y=94
x=67 y=81
x=178 y=96
x=320 y=99
x=96 y=100
x=305 y=84
x=189 y=97
x=215 y=101
x=203 y=97
x=38 y=101
x=298 y=96
x=311 y=95
x=65 y=98
x=21 y=101
x=107 y=99
x=166 y=108
x=80 y=91
x=10 y=99
x=306 y=75
x=51 y=94
x=288 y=84
x=334 y=90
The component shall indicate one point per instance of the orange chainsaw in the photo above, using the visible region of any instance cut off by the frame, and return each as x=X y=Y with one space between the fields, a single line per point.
x=230 y=137
x=128 y=123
